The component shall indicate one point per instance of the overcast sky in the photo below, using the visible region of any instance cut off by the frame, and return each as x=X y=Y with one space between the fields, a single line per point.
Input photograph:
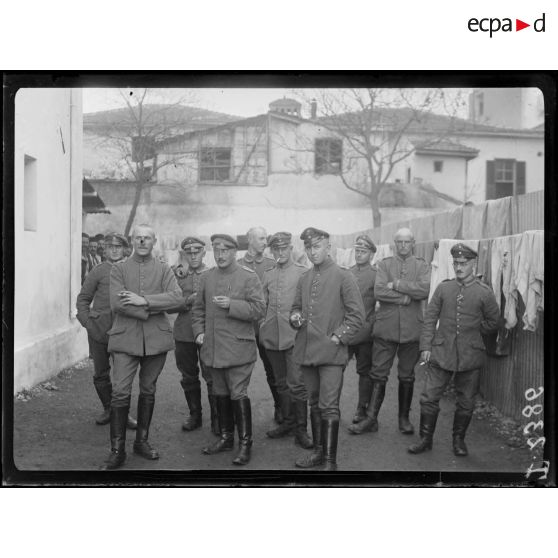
x=238 y=102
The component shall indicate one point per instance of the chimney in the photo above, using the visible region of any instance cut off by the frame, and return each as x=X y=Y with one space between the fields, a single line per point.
x=313 y=109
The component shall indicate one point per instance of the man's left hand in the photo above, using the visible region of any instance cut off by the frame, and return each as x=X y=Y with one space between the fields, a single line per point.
x=222 y=301
x=132 y=299
x=335 y=339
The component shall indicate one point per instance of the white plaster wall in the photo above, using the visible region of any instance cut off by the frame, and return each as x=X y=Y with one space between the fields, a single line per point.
x=47 y=337
x=450 y=181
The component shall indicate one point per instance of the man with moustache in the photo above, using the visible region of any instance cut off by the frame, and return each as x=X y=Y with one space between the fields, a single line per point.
x=97 y=320
x=229 y=301
x=327 y=311
x=255 y=259
x=361 y=345
x=451 y=346
x=402 y=283
x=142 y=289
x=278 y=337
x=186 y=350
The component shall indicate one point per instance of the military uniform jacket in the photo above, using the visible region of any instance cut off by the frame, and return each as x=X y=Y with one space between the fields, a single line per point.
x=229 y=333
x=138 y=330
x=279 y=288
x=330 y=301
x=365 y=276
x=190 y=284
x=400 y=315
x=462 y=312
x=98 y=318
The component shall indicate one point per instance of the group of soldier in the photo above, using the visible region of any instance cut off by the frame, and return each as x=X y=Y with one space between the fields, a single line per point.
x=305 y=324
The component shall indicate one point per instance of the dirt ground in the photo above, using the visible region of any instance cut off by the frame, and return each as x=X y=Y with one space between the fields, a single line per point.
x=54 y=429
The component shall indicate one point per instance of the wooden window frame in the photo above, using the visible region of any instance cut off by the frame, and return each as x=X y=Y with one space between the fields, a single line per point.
x=215 y=167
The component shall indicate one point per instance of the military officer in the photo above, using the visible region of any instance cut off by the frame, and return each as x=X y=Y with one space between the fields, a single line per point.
x=402 y=283
x=361 y=345
x=255 y=259
x=327 y=311
x=141 y=290
x=186 y=350
x=229 y=301
x=463 y=308
x=278 y=337
x=97 y=320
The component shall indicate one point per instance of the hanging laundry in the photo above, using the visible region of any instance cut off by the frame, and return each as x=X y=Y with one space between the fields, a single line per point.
x=383 y=251
x=498 y=218
x=502 y=264
x=474 y=217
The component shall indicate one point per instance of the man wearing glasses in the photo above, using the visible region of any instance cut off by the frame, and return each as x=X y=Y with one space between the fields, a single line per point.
x=402 y=283
x=463 y=308
x=229 y=300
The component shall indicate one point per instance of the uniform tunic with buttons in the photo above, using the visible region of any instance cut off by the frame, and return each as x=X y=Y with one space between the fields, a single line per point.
x=462 y=312
x=229 y=338
x=141 y=331
x=279 y=288
x=365 y=276
x=189 y=284
x=97 y=319
x=330 y=301
x=400 y=314
x=260 y=264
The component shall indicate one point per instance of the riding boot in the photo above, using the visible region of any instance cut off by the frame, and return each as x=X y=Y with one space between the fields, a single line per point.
x=426 y=432
x=243 y=419
x=145 y=412
x=301 y=435
x=288 y=425
x=364 y=393
x=405 y=398
x=370 y=423
x=461 y=422
x=131 y=424
x=330 y=433
x=316 y=458
x=104 y=391
x=226 y=423
x=118 y=416
x=214 y=416
x=278 y=416
x=193 y=400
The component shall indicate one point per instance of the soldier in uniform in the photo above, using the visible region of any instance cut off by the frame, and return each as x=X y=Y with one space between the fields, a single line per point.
x=278 y=337
x=402 y=283
x=186 y=350
x=463 y=308
x=327 y=311
x=361 y=345
x=255 y=259
x=84 y=256
x=228 y=302
x=97 y=320
x=142 y=289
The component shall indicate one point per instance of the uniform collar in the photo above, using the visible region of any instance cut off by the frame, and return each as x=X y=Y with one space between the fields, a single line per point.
x=287 y=264
x=201 y=269
x=363 y=266
x=326 y=265
x=408 y=258
x=228 y=270
x=142 y=259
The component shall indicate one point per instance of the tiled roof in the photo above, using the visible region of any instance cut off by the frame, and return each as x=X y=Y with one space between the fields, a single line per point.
x=445 y=147
x=91 y=201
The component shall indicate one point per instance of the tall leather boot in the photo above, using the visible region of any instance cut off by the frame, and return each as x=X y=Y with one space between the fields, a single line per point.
x=370 y=423
x=278 y=416
x=405 y=398
x=288 y=425
x=145 y=412
x=226 y=423
x=193 y=400
x=316 y=458
x=214 y=415
x=301 y=435
x=118 y=417
x=364 y=393
x=330 y=433
x=243 y=419
x=461 y=422
x=426 y=431
x=104 y=391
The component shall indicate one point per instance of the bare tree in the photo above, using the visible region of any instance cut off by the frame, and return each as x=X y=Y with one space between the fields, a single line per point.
x=380 y=128
x=134 y=131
